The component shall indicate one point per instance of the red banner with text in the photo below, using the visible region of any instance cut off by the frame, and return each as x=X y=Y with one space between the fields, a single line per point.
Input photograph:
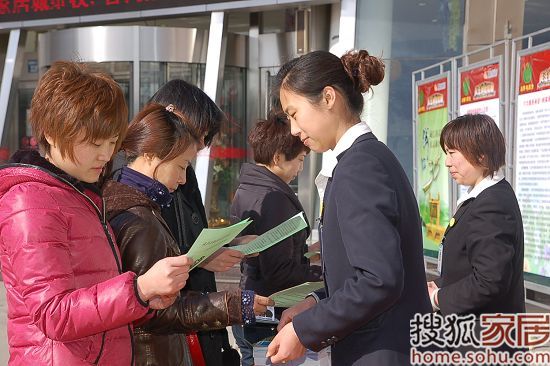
x=480 y=83
x=534 y=72
x=432 y=95
x=20 y=10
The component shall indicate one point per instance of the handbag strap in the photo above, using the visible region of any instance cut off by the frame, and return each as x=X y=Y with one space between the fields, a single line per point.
x=195 y=349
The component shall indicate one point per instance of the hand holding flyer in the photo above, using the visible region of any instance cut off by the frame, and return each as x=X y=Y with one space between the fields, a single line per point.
x=211 y=240
x=273 y=236
x=293 y=295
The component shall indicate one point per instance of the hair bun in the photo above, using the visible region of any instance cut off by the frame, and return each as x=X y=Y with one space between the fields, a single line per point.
x=363 y=69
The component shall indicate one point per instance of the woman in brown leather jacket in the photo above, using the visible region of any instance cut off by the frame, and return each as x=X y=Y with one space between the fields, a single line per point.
x=159 y=146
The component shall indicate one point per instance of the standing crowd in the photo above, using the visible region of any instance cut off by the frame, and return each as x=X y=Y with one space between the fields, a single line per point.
x=95 y=226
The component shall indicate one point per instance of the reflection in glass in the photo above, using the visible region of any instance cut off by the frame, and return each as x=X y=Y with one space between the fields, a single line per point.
x=229 y=148
x=154 y=74
x=121 y=72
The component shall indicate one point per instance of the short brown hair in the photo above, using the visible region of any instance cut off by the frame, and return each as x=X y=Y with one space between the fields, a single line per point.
x=69 y=100
x=160 y=132
x=272 y=136
x=478 y=138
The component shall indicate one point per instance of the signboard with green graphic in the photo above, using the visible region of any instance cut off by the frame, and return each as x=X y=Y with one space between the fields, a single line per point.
x=432 y=180
x=481 y=89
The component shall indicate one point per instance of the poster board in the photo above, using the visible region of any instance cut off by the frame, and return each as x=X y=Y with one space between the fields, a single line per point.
x=532 y=158
x=480 y=89
x=432 y=109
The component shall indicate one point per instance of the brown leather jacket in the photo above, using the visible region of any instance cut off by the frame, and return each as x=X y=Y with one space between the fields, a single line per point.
x=144 y=238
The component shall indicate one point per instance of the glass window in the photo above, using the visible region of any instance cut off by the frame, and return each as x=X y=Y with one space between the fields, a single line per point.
x=229 y=148
x=121 y=72
x=151 y=76
x=155 y=74
x=422 y=33
x=192 y=73
x=17 y=129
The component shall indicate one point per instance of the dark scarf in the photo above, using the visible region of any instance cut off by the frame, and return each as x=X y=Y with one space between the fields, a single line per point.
x=152 y=188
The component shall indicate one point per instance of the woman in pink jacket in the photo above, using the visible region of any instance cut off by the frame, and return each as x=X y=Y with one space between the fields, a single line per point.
x=69 y=303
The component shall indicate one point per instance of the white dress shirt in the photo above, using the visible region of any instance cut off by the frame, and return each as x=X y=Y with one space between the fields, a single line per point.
x=329 y=157
x=474 y=191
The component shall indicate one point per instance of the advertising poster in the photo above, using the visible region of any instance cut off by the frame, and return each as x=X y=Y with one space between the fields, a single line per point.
x=532 y=158
x=432 y=177
x=479 y=91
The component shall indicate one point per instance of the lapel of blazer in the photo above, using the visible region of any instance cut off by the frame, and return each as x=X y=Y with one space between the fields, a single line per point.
x=462 y=209
x=366 y=136
x=325 y=199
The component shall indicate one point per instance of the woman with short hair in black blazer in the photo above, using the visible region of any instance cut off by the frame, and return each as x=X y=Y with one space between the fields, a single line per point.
x=481 y=260
x=371 y=239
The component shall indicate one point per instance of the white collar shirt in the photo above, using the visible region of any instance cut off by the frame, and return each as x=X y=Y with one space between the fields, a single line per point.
x=474 y=191
x=329 y=158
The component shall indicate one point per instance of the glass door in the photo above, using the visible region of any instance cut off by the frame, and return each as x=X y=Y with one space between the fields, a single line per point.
x=155 y=74
x=228 y=151
x=121 y=72
x=304 y=184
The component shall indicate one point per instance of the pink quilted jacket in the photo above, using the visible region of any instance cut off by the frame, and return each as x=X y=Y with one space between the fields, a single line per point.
x=68 y=303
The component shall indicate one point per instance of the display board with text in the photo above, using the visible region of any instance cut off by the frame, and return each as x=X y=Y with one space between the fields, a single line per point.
x=480 y=92
x=532 y=157
x=20 y=10
x=432 y=180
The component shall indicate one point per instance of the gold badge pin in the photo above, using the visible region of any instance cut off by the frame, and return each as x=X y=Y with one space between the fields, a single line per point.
x=452 y=222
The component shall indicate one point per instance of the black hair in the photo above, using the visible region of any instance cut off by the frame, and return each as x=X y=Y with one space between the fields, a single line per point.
x=355 y=73
x=197 y=107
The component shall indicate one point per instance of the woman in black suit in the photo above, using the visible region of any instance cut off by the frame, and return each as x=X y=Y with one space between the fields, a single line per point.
x=371 y=239
x=481 y=256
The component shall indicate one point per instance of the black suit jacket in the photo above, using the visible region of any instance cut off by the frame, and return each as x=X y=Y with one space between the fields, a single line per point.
x=482 y=263
x=373 y=259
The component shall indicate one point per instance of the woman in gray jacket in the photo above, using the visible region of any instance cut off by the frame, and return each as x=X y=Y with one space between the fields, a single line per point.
x=264 y=195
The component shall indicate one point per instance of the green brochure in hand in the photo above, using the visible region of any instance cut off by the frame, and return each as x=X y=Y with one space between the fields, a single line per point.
x=292 y=296
x=210 y=240
x=273 y=236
